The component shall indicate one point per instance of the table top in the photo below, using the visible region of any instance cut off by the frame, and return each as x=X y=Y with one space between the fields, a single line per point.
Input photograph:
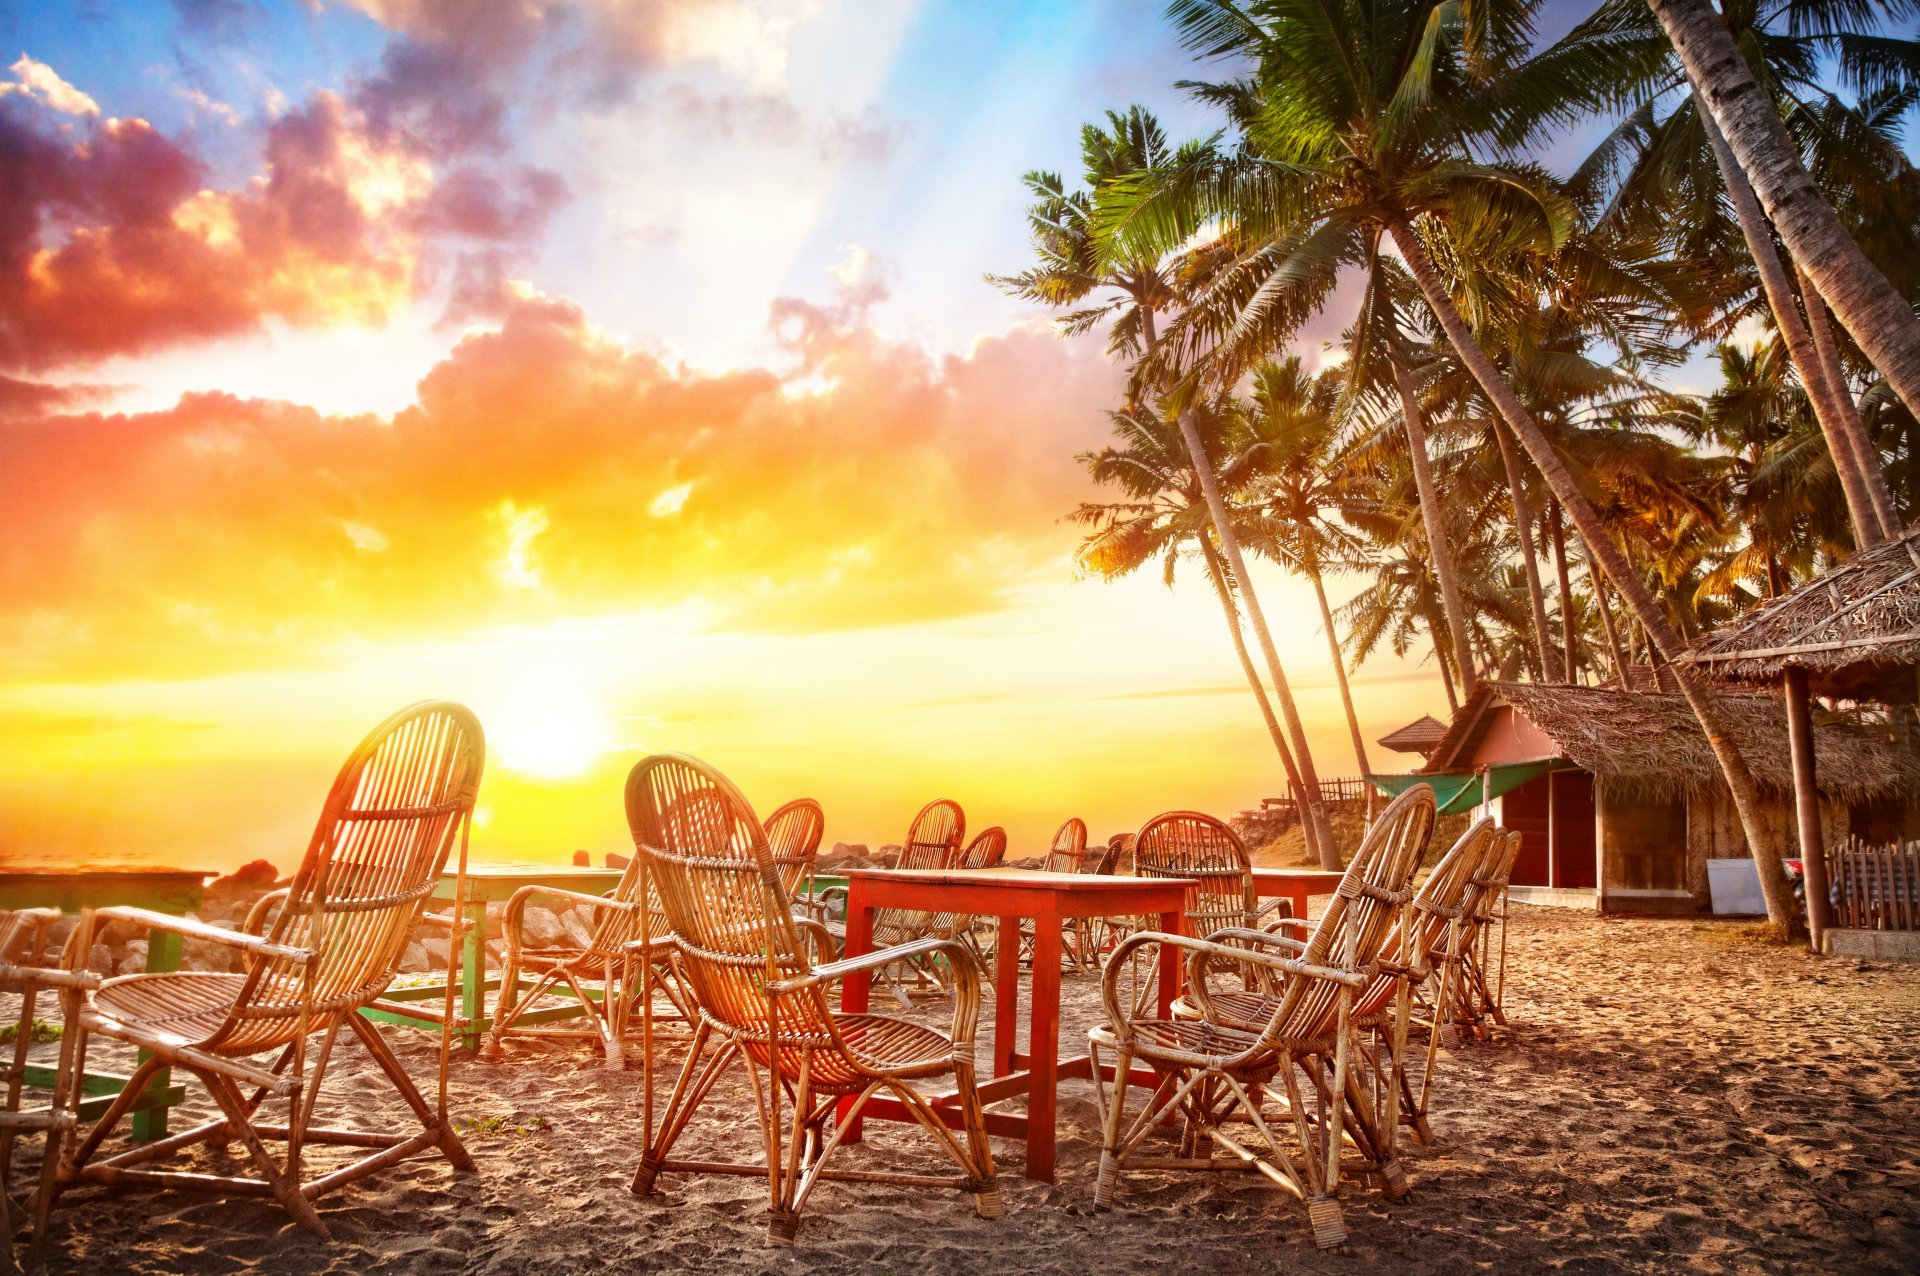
x=490 y=881
x=73 y=887
x=1311 y=876
x=1005 y=878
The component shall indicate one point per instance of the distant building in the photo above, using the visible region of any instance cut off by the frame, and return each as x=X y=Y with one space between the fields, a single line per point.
x=1619 y=800
x=1422 y=736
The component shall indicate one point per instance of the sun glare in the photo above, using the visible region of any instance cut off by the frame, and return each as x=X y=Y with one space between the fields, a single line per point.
x=549 y=727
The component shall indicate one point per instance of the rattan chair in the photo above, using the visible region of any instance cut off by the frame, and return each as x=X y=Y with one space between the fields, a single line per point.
x=1066 y=854
x=985 y=851
x=1441 y=927
x=26 y=969
x=1213 y=1074
x=793 y=835
x=1188 y=844
x=762 y=1003
x=1479 y=998
x=327 y=947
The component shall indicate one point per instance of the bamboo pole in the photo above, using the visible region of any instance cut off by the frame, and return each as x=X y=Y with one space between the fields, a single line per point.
x=1806 y=802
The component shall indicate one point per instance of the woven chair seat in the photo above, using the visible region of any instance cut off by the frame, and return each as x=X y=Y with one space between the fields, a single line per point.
x=894 y=1045
x=1180 y=1036
x=187 y=1007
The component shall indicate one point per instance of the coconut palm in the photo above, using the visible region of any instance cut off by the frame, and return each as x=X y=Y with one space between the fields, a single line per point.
x=1130 y=290
x=1367 y=113
x=1163 y=517
x=1300 y=488
x=1620 y=54
x=1869 y=307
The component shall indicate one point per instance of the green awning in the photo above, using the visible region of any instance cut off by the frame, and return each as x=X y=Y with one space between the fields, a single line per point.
x=1457 y=791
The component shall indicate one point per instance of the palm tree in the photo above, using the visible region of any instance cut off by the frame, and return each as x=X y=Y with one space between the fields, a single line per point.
x=1136 y=287
x=1163 y=516
x=1367 y=114
x=1299 y=485
x=1621 y=54
x=1869 y=307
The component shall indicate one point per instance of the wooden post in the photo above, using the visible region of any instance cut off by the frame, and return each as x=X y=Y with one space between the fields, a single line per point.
x=1806 y=802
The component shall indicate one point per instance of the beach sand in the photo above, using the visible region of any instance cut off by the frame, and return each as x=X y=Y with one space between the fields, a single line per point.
x=1671 y=1095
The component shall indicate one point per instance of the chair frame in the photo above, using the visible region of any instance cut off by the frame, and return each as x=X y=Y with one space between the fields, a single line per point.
x=761 y=1002
x=316 y=953
x=1211 y=1072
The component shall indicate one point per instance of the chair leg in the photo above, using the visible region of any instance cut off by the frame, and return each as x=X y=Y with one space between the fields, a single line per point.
x=449 y=1143
x=986 y=1199
x=688 y=1091
x=285 y=1186
x=1108 y=1177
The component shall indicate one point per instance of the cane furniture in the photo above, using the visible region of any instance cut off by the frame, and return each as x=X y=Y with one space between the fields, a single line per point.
x=1049 y=900
x=761 y=1002
x=1295 y=885
x=1213 y=1074
x=314 y=955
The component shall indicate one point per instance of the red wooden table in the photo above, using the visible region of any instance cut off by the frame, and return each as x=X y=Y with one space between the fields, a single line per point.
x=1011 y=894
x=1295 y=884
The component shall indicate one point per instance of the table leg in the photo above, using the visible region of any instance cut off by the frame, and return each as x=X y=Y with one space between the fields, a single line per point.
x=1006 y=996
x=163 y=955
x=1299 y=901
x=473 y=976
x=854 y=989
x=1171 y=924
x=1043 y=1047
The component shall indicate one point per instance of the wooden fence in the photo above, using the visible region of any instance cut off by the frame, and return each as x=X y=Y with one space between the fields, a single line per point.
x=1347 y=790
x=1874 y=887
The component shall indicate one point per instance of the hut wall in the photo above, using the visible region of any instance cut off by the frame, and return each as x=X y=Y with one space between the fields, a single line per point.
x=1714 y=832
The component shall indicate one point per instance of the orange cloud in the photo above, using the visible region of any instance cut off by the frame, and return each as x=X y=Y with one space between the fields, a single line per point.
x=546 y=471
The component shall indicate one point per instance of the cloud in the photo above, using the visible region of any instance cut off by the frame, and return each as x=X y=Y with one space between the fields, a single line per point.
x=112 y=244
x=546 y=471
x=41 y=82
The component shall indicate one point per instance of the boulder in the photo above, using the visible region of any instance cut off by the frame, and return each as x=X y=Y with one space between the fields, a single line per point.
x=579 y=929
x=131 y=957
x=438 y=950
x=414 y=960
x=540 y=927
x=100 y=959
x=618 y=861
x=582 y=860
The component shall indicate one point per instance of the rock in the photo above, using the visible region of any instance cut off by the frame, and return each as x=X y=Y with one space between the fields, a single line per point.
x=100 y=959
x=540 y=927
x=579 y=931
x=438 y=949
x=582 y=860
x=254 y=879
x=889 y=856
x=851 y=848
x=414 y=960
x=132 y=957
x=618 y=861
x=1030 y=861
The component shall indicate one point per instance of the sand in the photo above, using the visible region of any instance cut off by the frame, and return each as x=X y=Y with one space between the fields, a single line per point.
x=1670 y=1096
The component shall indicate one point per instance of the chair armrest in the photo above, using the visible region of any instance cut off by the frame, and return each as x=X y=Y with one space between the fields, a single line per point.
x=1200 y=950
x=213 y=934
x=1264 y=937
x=1274 y=905
x=837 y=970
x=517 y=907
x=256 y=922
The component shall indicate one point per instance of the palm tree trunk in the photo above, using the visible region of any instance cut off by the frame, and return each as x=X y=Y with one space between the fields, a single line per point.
x=1866 y=458
x=1794 y=332
x=1599 y=583
x=1225 y=594
x=1868 y=307
x=1567 y=619
x=1762 y=843
x=1440 y=658
x=1339 y=670
x=1523 y=525
x=1313 y=815
x=1439 y=548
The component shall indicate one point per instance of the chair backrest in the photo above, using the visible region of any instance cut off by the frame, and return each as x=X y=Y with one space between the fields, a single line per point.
x=934 y=837
x=1446 y=895
x=984 y=851
x=388 y=826
x=1189 y=844
x=1069 y=850
x=1107 y=861
x=707 y=856
x=1494 y=873
x=793 y=837
x=1373 y=895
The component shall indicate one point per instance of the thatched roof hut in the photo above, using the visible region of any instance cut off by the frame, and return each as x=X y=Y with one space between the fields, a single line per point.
x=1855 y=630
x=1642 y=743
x=1423 y=735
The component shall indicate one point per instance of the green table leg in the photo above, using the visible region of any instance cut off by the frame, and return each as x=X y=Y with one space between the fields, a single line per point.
x=473 y=976
x=163 y=955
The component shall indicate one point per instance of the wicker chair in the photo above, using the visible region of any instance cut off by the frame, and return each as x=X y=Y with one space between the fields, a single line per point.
x=1441 y=923
x=984 y=851
x=26 y=971
x=315 y=954
x=793 y=835
x=761 y=1002
x=1192 y=845
x=1211 y=1070
x=1480 y=994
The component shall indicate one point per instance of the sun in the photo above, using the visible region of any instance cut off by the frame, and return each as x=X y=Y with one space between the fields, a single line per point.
x=549 y=726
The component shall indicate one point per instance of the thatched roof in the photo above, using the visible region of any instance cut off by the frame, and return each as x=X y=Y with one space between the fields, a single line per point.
x=1642 y=743
x=1421 y=736
x=1856 y=630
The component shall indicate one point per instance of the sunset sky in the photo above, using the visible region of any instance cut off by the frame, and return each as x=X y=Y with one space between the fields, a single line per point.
x=622 y=370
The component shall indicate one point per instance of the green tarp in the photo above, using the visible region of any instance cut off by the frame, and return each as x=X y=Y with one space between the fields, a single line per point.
x=1460 y=791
